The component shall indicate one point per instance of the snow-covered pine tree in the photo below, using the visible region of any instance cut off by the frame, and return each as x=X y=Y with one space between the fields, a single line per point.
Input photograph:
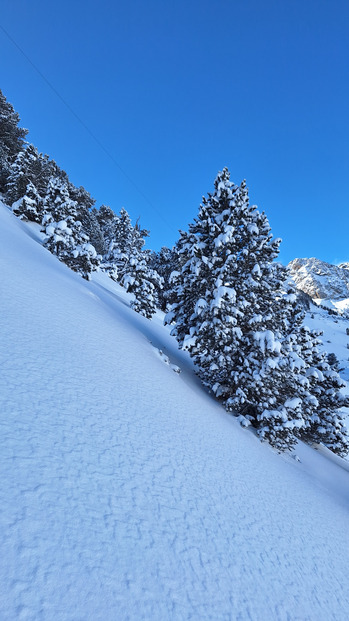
x=327 y=424
x=132 y=265
x=325 y=421
x=188 y=284
x=315 y=382
x=66 y=240
x=125 y=260
x=108 y=221
x=30 y=206
x=19 y=178
x=57 y=200
x=229 y=314
x=92 y=228
x=83 y=201
x=11 y=139
x=29 y=166
x=65 y=236
x=164 y=263
x=81 y=197
x=120 y=236
x=126 y=243
x=294 y=381
x=143 y=281
x=196 y=281
x=88 y=216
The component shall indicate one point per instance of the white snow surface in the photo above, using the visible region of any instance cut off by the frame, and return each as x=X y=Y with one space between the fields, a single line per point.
x=340 y=305
x=334 y=338
x=127 y=492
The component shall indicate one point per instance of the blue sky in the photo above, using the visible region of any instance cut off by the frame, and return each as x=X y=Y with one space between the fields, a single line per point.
x=176 y=90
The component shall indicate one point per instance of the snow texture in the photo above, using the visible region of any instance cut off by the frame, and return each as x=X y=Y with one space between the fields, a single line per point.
x=127 y=493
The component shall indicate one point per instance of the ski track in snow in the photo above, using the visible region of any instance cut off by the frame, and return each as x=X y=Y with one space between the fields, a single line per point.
x=126 y=492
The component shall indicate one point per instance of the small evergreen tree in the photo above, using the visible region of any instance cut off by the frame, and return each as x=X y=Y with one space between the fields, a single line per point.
x=57 y=200
x=30 y=206
x=66 y=240
x=164 y=262
x=143 y=282
x=333 y=361
x=120 y=234
x=93 y=230
x=325 y=422
x=126 y=245
x=108 y=221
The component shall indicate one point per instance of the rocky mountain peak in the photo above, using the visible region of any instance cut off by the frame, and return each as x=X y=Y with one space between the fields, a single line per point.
x=319 y=279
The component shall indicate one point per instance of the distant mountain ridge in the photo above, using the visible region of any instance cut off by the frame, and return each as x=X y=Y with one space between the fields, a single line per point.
x=319 y=279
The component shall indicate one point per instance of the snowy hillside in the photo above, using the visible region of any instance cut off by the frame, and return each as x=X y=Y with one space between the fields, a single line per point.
x=335 y=338
x=127 y=492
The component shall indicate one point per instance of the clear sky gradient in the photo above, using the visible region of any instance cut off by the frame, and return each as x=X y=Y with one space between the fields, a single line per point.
x=174 y=90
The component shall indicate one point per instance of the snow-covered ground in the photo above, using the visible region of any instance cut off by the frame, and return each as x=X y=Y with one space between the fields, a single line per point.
x=335 y=338
x=339 y=305
x=127 y=492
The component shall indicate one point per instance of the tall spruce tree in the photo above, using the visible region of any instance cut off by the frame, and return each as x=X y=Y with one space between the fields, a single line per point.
x=234 y=316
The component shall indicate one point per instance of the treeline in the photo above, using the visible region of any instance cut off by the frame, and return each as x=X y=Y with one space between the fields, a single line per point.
x=228 y=301
x=81 y=236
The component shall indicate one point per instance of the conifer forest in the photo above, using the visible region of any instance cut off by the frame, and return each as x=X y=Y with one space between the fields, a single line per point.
x=227 y=300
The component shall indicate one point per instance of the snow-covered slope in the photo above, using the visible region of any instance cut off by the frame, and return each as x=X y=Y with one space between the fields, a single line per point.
x=334 y=338
x=319 y=279
x=127 y=493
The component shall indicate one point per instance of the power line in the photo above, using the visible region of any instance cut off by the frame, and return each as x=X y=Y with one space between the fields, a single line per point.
x=88 y=130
